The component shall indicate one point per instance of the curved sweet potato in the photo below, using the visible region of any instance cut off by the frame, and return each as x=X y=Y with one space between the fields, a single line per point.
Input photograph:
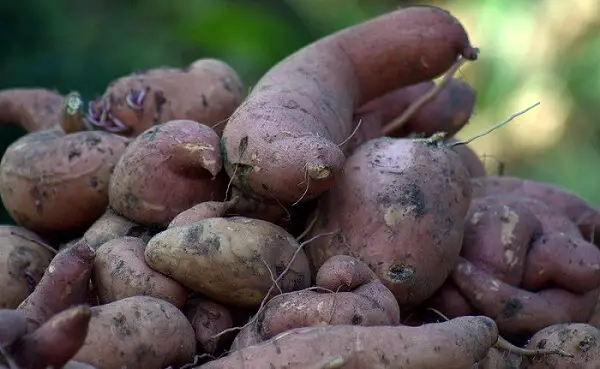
x=388 y=211
x=212 y=255
x=455 y=344
x=34 y=109
x=207 y=91
x=23 y=259
x=579 y=211
x=137 y=332
x=580 y=340
x=120 y=271
x=305 y=103
x=166 y=170
x=51 y=182
x=364 y=300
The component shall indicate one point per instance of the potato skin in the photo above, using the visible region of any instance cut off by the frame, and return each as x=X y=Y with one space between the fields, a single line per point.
x=204 y=210
x=112 y=225
x=228 y=259
x=52 y=182
x=23 y=259
x=389 y=210
x=120 y=271
x=305 y=103
x=137 y=332
x=455 y=344
x=34 y=109
x=166 y=170
x=207 y=91
x=209 y=318
x=578 y=339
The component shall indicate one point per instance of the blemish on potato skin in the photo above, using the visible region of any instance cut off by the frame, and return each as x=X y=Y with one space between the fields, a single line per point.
x=509 y=221
x=400 y=273
x=512 y=307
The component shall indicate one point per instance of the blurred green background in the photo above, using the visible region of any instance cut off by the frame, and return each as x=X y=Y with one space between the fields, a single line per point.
x=531 y=50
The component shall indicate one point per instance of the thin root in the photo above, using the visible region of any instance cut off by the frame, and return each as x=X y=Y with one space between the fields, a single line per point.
x=230 y=182
x=272 y=275
x=351 y=134
x=308 y=228
x=307 y=180
x=494 y=127
x=416 y=105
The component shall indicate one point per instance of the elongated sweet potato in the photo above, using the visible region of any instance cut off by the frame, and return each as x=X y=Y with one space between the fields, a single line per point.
x=64 y=284
x=579 y=211
x=231 y=260
x=389 y=211
x=363 y=300
x=112 y=225
x=23 y=259
x=305 y=103
x=51 y=182
x=55 y=342
x=137 y=332
x=207 y=91
x=120 y=271
x=34 y=109
x=166 y=170
x=580 y=340
x=458 y=343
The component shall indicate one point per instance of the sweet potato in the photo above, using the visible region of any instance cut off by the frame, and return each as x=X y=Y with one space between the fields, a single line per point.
x=23 y=259
x=531 y=258
x=207 y=91
x=469 y=158
x=137 y=332
x=55 y=342
x=111 y=225
x=447 y=112
x=34 y=109
x=166 y=170
x=120 y=271
x=204 y=210
x=51 y=182
x=363 y=300
x=458 y=343
x=580 y=340
x=388 y=211
x=304 y=104
x=209 y=318
x=231 y=260
x=595 y=318
x=64 y=284
x=578 y=210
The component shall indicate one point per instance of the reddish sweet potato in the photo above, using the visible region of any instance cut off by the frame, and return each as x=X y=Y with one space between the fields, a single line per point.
x=110 y=226
x=34 y=109
x=469 y=158
x=64 y=284
x=530 y=257
x=204 y=210
x=120 y=271
x=458 y=343
x=363 y=300
x=580 y=340
x=166 y=170
x=304 y=105
x=207 y=91
x=23 y=259
x=209 y=318
x=51 y=182
x=55 y=342
x=388 y=211
x=579 y=211
x=137 y=332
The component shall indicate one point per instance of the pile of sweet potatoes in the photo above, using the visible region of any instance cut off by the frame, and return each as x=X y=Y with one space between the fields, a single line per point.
x=327 y=219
